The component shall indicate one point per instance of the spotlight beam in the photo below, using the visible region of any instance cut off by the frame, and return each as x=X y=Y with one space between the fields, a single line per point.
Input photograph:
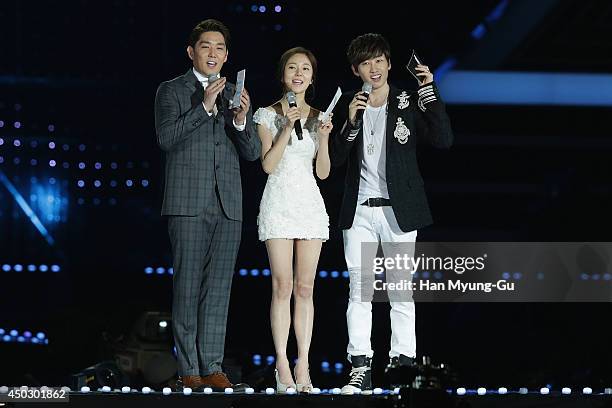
x=26 y=208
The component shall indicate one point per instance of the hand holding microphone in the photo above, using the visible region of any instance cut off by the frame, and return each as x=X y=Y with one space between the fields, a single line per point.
x=358 y=105
x=297 y=125
x=212 y=91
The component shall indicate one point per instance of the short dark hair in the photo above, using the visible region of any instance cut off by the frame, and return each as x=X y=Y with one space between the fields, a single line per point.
x=367 y=46
x=209 y=25
x=290 y=53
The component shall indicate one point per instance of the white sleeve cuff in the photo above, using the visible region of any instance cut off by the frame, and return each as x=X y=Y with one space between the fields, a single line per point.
x=239 y=128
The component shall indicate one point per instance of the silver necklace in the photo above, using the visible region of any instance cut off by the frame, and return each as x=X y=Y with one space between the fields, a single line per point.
x=370 y=148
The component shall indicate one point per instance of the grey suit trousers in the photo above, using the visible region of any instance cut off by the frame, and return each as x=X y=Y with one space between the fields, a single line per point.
x=204 y=248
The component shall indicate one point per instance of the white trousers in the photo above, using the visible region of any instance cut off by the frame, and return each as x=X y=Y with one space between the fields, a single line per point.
x=375 y=224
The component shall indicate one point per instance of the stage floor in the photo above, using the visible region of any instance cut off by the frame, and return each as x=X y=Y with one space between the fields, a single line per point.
x=406 y=398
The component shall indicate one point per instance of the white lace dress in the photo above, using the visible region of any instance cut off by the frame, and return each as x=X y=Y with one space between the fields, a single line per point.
x=291 y=206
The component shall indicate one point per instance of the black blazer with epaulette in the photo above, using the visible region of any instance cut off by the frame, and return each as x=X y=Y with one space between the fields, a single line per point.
x=423 y=113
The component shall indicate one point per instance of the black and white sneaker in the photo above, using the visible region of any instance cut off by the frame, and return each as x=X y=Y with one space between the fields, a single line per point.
x=360 y=381
x=401 y=371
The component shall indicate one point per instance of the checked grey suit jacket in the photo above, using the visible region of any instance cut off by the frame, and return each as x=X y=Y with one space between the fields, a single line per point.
x=201 y=151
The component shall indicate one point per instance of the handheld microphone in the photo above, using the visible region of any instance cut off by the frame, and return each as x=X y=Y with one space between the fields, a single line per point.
x=366 y=89
x=211 y=79
x=296 y=125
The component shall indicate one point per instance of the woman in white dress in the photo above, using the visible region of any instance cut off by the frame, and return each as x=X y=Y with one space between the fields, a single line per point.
x=292 y=218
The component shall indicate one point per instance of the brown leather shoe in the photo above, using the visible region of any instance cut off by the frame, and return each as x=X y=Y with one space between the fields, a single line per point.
x=190 y=381
x=219 y=382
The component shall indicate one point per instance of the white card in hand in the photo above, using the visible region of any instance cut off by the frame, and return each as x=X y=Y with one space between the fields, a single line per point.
x=331 y=106
x=239 y=87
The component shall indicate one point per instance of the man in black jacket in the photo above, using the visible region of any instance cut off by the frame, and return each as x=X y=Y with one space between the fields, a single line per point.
x=384 y=199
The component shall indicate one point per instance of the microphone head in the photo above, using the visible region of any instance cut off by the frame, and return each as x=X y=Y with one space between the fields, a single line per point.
x=213 y=77
x=366 y=88
x=291 y=97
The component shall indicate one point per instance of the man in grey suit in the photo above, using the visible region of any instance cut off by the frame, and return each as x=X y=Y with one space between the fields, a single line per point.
x=203 y=138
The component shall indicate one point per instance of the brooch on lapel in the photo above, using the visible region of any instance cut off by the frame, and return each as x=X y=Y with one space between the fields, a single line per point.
x=401 y=132
x=403 y=100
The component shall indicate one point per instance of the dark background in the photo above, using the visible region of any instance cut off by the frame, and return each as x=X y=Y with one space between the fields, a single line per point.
x=84 y=74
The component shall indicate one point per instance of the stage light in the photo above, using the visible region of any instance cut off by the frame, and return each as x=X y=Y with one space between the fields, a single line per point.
x=18 y=268
x=113 y=166
x=1 y=126
x=33 y=162
x=425 y=275
x=278 y=8
x=160 y=270
x=17 y=125
x=163 y=324
x=14 y=333
x=81 y=183
x=97 y=183
x=145 y=183
x=481 y=391
x=85 y=389
x=171 y=271
x=51 y=128
x=66 y=147
x=6 y=268
x=43 y=268
x=52 y=163
x=587 y=390
x=40 y=336
x=146 y=390
x=566 y=391
x=265 y=272
x=148 y=270
x=270 y=360
x=523 y=390
x=51 y=145
x=1 y=159
x=229 y=390
x=81 y=165
x=249 y=390
x=544 y=391
x=323 y=274
x=262 y=9
x=334 y=274
x=243 y=272
x=106 y=388
x=517 y=275
x=269 y=391
x=166 y=391
x=52 y=180
x=461 y=391
x=257 y=359
x=82 y=147
x=16 y=160
x=98 y=165
x=31 y=268
x=65 y=165
x=502 y=390
x=345 y=274
x=377 y=391
x=129 y=183
x=254 y=272
x=208 y=391
x=187 y=391
x=16 y=142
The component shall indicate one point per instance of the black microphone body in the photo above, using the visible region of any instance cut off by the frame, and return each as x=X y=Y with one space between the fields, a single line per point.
x=297 y=125
x=366 y=89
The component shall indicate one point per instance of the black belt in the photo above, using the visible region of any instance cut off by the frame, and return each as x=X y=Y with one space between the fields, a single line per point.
x=377 y=202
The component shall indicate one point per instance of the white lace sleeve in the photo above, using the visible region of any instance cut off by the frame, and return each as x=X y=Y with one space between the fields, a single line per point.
x=264 y=117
